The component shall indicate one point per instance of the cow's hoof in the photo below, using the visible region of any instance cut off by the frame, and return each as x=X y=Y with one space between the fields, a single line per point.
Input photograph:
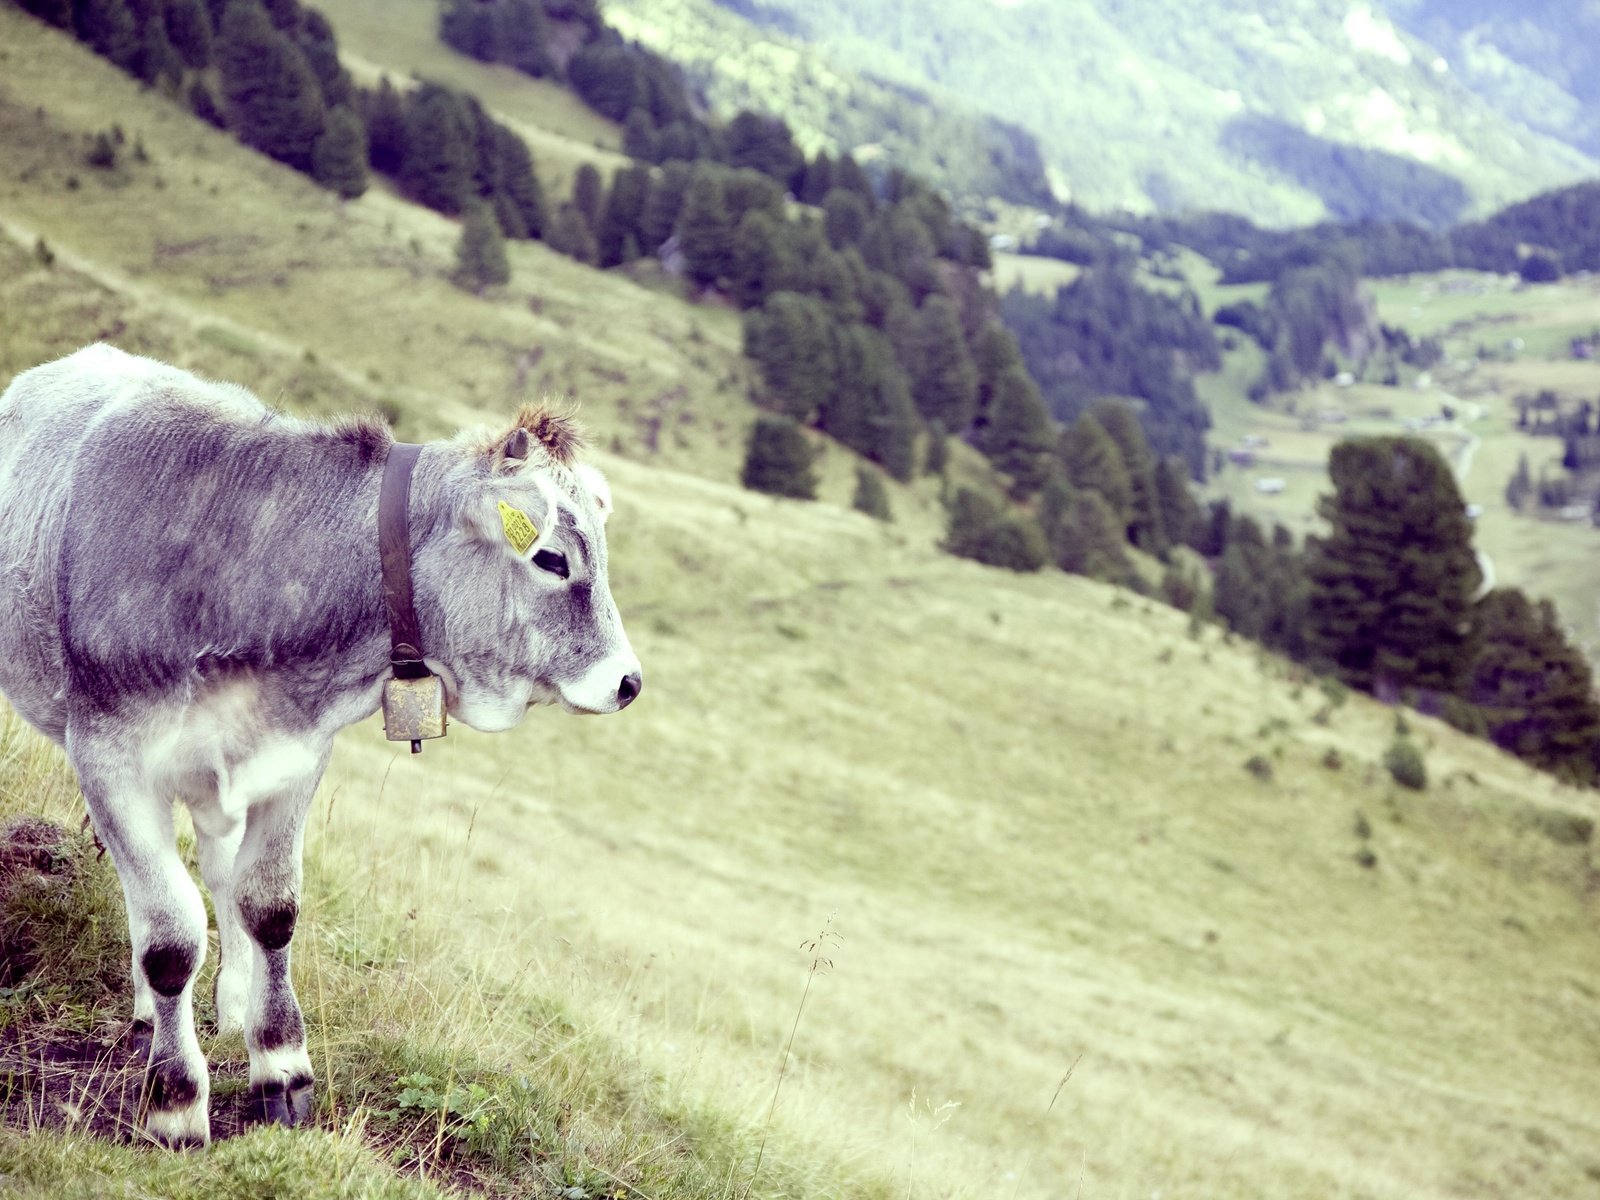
x=185 y=1128
x=277 y=1104
x=138 y=1036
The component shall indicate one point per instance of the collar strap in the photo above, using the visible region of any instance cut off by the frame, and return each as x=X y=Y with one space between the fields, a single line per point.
x=394 y=548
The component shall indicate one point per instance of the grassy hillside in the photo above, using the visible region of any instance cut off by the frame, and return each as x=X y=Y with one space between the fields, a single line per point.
x=1125 y=907
x=1322 y=109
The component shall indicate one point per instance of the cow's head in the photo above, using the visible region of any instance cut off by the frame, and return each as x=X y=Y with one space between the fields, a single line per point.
x=512 y=579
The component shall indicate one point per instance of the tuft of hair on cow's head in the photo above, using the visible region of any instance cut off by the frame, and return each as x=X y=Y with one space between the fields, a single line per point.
x=556 y=433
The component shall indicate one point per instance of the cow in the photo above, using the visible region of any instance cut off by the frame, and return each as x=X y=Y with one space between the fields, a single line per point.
x=193 y=602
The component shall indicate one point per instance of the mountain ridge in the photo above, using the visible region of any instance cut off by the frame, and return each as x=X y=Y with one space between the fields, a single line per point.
x=1140 y=107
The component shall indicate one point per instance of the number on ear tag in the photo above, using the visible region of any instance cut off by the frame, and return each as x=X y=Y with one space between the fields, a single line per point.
x=520 y=531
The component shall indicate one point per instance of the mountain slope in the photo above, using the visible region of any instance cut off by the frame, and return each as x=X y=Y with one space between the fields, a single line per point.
x=1168 y=104
x=1027 y=797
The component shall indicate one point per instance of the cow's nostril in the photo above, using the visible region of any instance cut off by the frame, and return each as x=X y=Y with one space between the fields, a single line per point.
x=631 y=684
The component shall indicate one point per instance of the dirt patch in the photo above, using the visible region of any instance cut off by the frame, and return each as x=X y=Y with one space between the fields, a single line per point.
x=93 y=1082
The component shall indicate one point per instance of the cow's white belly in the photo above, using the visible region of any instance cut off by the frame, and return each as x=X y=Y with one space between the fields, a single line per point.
x=217 y=753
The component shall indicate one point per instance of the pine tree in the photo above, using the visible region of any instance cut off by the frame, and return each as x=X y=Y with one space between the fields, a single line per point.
x=588 y=192
x=158 y=62
x=1181 y=517
x=1093 y=463
x=1144 y=522
x=871 y=497
x=944 y=380
x=1085 y=535
x=470 y=27
x=523 y=36
x=791 y=339
x=1534 y=688
x=108 y=28
x=870 y=408
x=437 y=169
x=56 y=12
x=621 y=215
x=339 y=159
x=385 y=119
x=778 y=460
x=639 y=136
x=762 y=144
x=189 y=31
x=519 y=187
x=663 y=206
x=317 y=42
x=759 y=262
x=704 y=231
x=980 y=528
x=481 y=251
x=571 y=235
x=272 y=98
x=1391 y=584
x=847 y=174
x=817 y=181
x=1019 y=436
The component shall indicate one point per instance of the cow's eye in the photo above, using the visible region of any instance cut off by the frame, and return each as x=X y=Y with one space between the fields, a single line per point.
x=553 y=561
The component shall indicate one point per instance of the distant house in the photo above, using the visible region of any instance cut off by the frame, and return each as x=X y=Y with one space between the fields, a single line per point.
x=1242 y=458
x=1271 y=485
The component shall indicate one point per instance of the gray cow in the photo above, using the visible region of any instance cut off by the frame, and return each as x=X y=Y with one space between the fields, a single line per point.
x=191 y=604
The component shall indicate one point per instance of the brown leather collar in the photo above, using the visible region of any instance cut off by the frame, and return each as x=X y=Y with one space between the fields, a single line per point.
x=394 y=549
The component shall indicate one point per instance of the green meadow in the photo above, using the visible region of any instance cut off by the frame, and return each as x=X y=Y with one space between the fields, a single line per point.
x=904 y=877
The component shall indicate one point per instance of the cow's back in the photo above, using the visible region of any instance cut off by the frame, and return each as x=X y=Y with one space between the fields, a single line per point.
x=49 y=417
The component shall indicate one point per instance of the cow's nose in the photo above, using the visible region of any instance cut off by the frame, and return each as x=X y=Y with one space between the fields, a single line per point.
x=632 y=683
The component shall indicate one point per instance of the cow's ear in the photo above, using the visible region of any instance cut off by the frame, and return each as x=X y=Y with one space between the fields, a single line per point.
x=592 y=479
x=514 y=520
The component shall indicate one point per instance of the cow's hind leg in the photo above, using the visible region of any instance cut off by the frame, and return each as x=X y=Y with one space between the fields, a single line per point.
x=167 y=928
x=266 y=891
x=218 y=841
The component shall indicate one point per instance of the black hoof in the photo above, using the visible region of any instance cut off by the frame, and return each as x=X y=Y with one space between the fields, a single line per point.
x=275 y=1104
x=138 y=1037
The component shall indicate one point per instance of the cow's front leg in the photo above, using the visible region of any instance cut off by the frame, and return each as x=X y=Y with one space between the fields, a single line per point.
x=266 y=892
x=167 y=929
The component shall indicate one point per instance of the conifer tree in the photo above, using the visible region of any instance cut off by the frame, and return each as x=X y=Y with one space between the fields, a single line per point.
x=158 y=62
x=1534 y=688
x=1018 y=436
x=870 y=408
x=519 y=187
x=316 y=40
x=778 y=460
x=437 y=169
x=759 y=261
x=273 y=101
x=481 y=251
x=339 y=159
x=979 y=528
x=871 y=497
x=791 y=338
x=189 y=32
x=385 y=119
x=1181 y=517
x=108 y=28
x=817 y=180
x=1144 y=521
x=1085 y=535
x=470 y=27
x=664 y=205
x=523 y=37
x=844 y=217
x=704 y=231
x=588 y=192
x=762 y=144
x=1391 y=584
x=639 y=138
x=621 y=215
x=56 y=12
x=847 y=174
x=1093 y=463
x=571 y=235
x=944 y=380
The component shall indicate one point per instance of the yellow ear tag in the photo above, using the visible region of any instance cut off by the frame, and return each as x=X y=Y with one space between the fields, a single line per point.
x=520 y=531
